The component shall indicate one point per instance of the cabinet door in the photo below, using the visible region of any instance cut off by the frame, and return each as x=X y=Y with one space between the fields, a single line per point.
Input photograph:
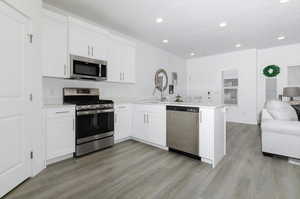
x=122 y=122
x=60 y=134
x=114 y=61
x=99 y=46
x=128 y=63
x=80 y=41
x=205 y=132
x=157 y=128
x=139 y=125
x=54 y=45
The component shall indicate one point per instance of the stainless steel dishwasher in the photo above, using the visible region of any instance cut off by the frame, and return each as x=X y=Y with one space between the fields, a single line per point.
x=183 y=129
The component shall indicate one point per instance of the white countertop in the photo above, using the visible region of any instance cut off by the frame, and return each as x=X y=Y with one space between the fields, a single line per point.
x=58 y=105
x=190 y=104
x=157 y=102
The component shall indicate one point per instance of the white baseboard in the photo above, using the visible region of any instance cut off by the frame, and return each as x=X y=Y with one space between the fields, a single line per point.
x=238 y=122
x=58 y=159
x=149 y=143
x=208 y=161
x=122 y=140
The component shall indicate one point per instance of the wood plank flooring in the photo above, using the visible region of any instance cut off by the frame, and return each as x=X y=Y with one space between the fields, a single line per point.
x=133 y=170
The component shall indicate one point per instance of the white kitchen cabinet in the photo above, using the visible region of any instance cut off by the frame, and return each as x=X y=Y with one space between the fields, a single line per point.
x=212 y=135
x=157 y=127
x=123 y=122
x=205 y=132
x=54 y=45
x=121 y=60
x=87 y=40
x=60 y=132
x=149 y=124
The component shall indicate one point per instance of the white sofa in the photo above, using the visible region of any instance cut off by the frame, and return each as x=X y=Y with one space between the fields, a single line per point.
x=280 y=130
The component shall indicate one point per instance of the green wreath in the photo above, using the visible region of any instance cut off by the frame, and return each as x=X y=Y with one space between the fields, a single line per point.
x=271 y=71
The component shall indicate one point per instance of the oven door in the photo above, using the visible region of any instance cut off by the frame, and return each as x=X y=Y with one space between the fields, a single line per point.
x=93 y=125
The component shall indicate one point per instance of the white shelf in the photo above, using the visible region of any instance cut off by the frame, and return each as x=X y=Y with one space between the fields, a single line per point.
x=230 y=83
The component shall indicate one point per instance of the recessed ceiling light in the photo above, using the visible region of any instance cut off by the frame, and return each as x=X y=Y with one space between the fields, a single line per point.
x=223 y=24
x=281 y=37
x=159 y=20
x=192 y=54
x=238 y=45
x=284 y=1
x=165 y=41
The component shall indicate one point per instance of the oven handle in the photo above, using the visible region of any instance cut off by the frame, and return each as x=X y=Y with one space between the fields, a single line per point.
x=94 y=112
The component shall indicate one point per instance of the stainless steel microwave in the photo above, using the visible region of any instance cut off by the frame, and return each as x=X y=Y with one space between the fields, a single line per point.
x=87 y=68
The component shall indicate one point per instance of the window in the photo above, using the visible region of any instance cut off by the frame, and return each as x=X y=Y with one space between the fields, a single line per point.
x=294 y=75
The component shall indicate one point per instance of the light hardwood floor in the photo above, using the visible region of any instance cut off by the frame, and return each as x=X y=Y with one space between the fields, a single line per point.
x=134 y=170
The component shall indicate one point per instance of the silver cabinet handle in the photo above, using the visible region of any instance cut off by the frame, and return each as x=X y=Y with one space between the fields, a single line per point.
x=92 y=51
x=144 y=118
x=121 y=107
x=62 y=112
x=79 y=113
x=89 y=50
x=121 y=76
x=65 y=69
x=73 y=124
x=147 y=118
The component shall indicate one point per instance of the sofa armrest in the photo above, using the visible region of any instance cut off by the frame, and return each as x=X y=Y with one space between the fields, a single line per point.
x=266 y=115
x=283 y=127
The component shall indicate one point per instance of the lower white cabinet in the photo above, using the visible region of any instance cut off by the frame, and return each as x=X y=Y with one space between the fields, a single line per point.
x=60 y=132
x=123 y=122
x=149 y=124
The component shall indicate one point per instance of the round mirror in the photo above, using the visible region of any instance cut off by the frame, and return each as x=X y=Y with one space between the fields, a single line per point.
x=161 y=80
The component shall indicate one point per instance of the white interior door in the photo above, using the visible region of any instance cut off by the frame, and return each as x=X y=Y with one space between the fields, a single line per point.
x=14 y=142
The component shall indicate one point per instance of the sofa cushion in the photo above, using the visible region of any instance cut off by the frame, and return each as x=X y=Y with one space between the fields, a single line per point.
x=281 y=111
x=281 y=127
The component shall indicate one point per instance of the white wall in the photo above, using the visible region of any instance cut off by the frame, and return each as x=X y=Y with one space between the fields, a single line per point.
x=205 y=74
x=283 y=56
x=32 y=9
x=148 y=60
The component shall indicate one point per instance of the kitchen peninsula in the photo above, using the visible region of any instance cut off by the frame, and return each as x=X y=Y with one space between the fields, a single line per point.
x=148 y=123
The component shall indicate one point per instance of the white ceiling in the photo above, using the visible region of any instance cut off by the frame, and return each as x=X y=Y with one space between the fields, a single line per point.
x=193 y=25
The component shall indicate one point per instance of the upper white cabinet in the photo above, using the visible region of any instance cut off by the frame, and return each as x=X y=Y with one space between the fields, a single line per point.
x=54 y=45
x=123 y=121
x=149 y=124
x=60 y=132
x=121 y=60
x=63 y=36
x=87 y=40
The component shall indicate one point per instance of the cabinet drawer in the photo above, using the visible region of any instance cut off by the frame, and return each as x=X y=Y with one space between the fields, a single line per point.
x=122 y=107
x=150 y=108
x=55 y=112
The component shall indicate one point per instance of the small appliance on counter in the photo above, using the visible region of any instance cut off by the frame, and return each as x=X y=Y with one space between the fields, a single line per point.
x=178 y=99
x=94 y=119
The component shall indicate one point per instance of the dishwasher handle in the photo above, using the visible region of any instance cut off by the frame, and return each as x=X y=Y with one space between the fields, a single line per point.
x=183 y=109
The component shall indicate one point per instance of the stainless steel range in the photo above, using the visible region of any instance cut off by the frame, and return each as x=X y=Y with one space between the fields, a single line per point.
x=94 y=119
